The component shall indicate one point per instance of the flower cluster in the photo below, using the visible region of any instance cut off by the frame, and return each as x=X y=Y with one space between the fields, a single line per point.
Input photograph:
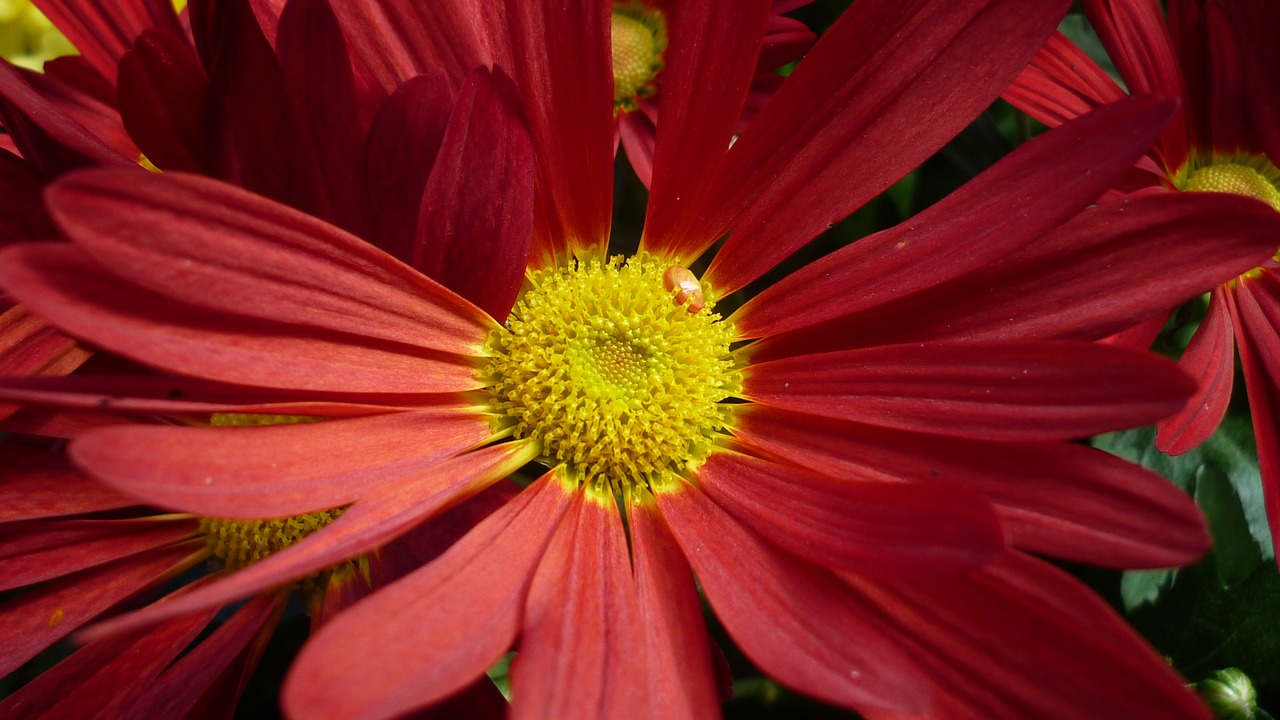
x=324 y=304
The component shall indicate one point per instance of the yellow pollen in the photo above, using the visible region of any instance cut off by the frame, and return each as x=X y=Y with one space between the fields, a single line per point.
x=1231 y=177
x=639 y=37
x=240 y=543
x=616 y=382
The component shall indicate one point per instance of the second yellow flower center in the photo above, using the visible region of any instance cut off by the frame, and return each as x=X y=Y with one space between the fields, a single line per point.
x=1237 y=178
x=639 y=37
x=619 y=384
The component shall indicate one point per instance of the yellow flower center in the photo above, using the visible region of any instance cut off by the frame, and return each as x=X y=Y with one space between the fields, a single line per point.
x=240 y=543
x=639 y=37
x=618 y=382
x=1238 y=178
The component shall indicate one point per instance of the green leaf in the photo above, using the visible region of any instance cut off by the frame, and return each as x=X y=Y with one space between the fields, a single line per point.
x=1235 y=554
x=1139 y=588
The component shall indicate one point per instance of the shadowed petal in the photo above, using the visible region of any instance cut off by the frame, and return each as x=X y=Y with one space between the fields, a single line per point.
x=1061 y=499
x=1003 y=390
x=103 y=30
x=162 y=97
x=1022 y=639
x=877 y=95
x=882 y=528
x=476 y=219
x=677 y=653
x=49 y=549
x=1210 y=358
x=423 y=638
x=1010 y=205
x=274 y=471
x=30 y=346
x=794 y=620
x=1061 y=83
x=1256 y=315
x=580 y=652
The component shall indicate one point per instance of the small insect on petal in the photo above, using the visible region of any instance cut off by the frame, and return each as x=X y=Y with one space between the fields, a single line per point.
x=687 y=288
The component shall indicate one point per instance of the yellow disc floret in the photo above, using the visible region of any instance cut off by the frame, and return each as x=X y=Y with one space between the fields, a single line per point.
x=240 y=543
x=639 y=37
x=1237 y=178
x=617 y=382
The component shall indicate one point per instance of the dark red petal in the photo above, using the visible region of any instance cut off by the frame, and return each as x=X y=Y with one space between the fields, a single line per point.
x=1210 y=358
x=163 y=94
x=676 y=650
x=561 y=63
x=41 y=484
x=1017 y=201
x=321 y=85
x=639 y=136
x=1061 y=83
x=475 y=224
x=883 y=528
x=1256 y=25
x=1090 y=279
x=1002 y=390
x=275 y=471
x=430 y=634
x=1060 y=499
x=881 y=91
x=103 y=30
x=185 y=684
x=402 y=146
x=103 y=678
x=579 y=654
x=265 y=260
x=1137 y=41
x=369 y=523
x=50 y=139
x=46 y=549
x=1256 y=315
x=1022 y=639
x=40 y=617
x=794 y=620
x=22 y=215
x=699 y=117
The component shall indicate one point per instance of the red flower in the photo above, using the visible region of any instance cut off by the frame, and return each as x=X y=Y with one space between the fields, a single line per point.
x=78 y=549
x=846 y=462
x=1218 y=59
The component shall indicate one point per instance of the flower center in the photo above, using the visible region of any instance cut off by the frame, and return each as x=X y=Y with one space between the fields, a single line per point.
x=616 y=380
x=1238 y=178
x=639 y=37
x=240 y=543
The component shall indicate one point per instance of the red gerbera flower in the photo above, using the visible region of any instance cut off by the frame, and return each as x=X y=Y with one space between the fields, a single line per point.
x=1219 y=59
x=846 y=486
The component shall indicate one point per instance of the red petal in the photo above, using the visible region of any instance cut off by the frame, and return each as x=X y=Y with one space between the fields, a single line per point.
x=1061 y=499
x=876 y=97
x=275 y=471
x=265 y=259
x=1020 y=199
x=22 y=215
x=30 y=346
x=1137 y=41
x=362 y=528
x=1003 y=390
x=578 y=655
x=102 y=30
x=1021 y=639
x=103 y=679
x=163 y=94
x=1061 y=83
x=402 y=146
x=175 y=693
x=795 y=621
x=883 y=528
x=40 y=617
x=1256 y=25
x=40 y=484
x=430 y=634
x=476 y=219
x=638 y=135
x=699 y=117
x=677 y=653
x=1257 y=320
x=560 y=58
x=44 y=550
x=1090 y=279
x=1209 y=358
